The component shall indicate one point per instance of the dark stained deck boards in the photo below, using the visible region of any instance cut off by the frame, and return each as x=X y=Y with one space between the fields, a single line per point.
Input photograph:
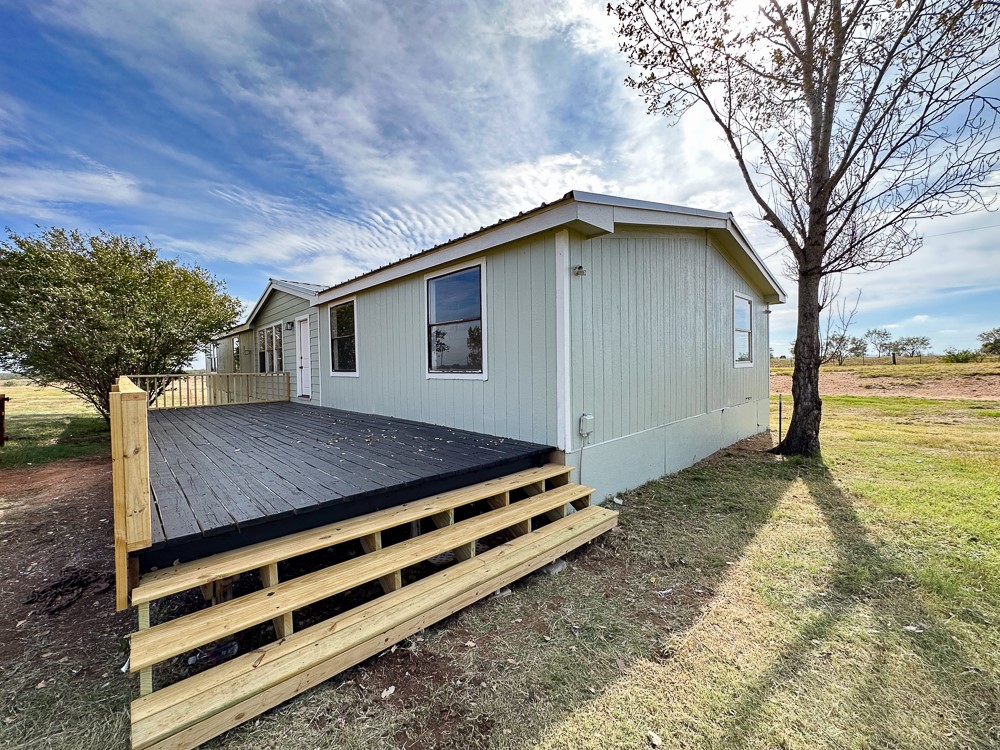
x=226 y=476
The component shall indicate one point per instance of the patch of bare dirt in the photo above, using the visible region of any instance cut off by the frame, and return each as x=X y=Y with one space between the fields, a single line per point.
x=973 y=387
x=56 y=554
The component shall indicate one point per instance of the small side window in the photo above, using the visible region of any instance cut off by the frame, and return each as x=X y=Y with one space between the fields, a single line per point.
x=343 y=338
x=742 y=331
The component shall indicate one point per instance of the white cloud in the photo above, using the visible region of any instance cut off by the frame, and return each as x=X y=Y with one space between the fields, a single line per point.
x=43 y=193
x=920 y=318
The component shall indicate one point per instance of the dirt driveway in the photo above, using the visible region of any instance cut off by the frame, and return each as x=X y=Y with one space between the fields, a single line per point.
x=977 y=387
x=59 y=633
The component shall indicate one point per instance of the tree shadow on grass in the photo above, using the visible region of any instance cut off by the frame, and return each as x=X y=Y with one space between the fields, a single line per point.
x=865 y=575
x=557 y=641
x=560 y=640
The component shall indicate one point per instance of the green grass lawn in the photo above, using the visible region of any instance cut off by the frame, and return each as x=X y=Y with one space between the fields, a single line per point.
x=863 y=611
x=46 y=424
x=747 y=602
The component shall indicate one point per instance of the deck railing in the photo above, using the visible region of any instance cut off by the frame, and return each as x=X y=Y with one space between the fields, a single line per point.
x=129 y=479
x=214 y=389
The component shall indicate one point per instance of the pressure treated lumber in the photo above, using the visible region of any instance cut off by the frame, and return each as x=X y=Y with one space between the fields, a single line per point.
x=129 y=479
x=185 y=714
x=178 y=578
x=199 y=628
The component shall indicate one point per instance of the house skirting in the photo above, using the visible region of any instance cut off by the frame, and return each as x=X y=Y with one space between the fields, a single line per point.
x=627 y=462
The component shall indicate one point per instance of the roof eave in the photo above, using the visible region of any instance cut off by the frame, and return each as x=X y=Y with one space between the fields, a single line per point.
x=277 y=285
x=590 y=214
x=587 y=219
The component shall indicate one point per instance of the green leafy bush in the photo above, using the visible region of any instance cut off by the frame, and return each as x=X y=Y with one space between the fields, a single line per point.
x=961 y=356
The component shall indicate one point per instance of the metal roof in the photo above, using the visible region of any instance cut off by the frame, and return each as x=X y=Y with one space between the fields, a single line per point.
x=590 y=213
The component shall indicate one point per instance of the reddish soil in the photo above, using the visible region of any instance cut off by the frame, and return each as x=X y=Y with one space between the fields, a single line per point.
x=56 y=556
x=975 y=387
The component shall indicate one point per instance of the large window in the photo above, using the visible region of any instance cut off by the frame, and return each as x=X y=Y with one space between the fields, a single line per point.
x=269 y=354
x=213 y=358
x=742 y=331
x=455 y=322
x=343 y=339
x=236 y=353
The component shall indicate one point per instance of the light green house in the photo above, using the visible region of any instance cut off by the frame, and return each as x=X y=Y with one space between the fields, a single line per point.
x=631 y=336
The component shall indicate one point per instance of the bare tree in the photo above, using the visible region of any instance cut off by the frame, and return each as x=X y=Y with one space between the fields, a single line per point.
x=848 y=121
x=857 y=347
x=880 y=339
x=911 y=346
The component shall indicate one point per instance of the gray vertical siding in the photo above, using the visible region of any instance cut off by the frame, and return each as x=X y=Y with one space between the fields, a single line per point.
x=518 y=398
x=280 y=307
x=651 y=332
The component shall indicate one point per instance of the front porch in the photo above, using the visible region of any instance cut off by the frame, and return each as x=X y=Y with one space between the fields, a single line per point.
x=226 y=477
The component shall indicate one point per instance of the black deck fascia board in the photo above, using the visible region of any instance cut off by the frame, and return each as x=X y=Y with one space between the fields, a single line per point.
x=373 y=462
x=195 y=547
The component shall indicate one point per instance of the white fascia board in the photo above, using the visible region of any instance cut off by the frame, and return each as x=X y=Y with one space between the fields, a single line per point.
x=645 y=216
x=779 y=296
x=612 y=200
x=276 y=285
x=590 y=220
x=650 y=213
x=293 y=289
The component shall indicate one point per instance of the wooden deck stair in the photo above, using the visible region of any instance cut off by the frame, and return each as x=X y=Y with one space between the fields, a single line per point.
x=178 y=578
x=533 y=507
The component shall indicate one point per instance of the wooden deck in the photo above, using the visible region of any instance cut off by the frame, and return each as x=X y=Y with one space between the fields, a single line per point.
x=225 y=477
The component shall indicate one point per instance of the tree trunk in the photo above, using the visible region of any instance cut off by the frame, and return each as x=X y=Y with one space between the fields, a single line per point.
x=802 y=438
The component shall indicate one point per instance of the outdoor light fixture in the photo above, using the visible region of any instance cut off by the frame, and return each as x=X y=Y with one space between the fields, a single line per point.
x=289 y=326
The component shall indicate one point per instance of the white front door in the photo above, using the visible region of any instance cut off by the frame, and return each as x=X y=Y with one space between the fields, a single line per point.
x=303 y=353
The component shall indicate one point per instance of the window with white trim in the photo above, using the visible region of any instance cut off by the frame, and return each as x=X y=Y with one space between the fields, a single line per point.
x=269 y=353
x=742 y=331
x=343 y=338
x=455 y=322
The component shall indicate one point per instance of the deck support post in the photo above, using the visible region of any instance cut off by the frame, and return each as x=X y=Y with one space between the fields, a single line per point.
x=218 y=591
x=561 y=481
x=283 y=626
x=466 y=551
x=145 y=675
x=394 y=580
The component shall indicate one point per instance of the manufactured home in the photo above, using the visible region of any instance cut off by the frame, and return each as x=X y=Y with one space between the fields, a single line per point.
x=632 y=336
x=471 y=405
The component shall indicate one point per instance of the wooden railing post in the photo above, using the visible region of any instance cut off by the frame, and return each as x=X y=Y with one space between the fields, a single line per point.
x=129 y=479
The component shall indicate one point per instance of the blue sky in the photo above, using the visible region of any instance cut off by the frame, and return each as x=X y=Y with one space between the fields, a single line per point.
x=316 y=140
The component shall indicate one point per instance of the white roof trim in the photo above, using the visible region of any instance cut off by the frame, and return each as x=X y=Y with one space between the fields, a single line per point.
x=592 y=214
x=279 y=286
